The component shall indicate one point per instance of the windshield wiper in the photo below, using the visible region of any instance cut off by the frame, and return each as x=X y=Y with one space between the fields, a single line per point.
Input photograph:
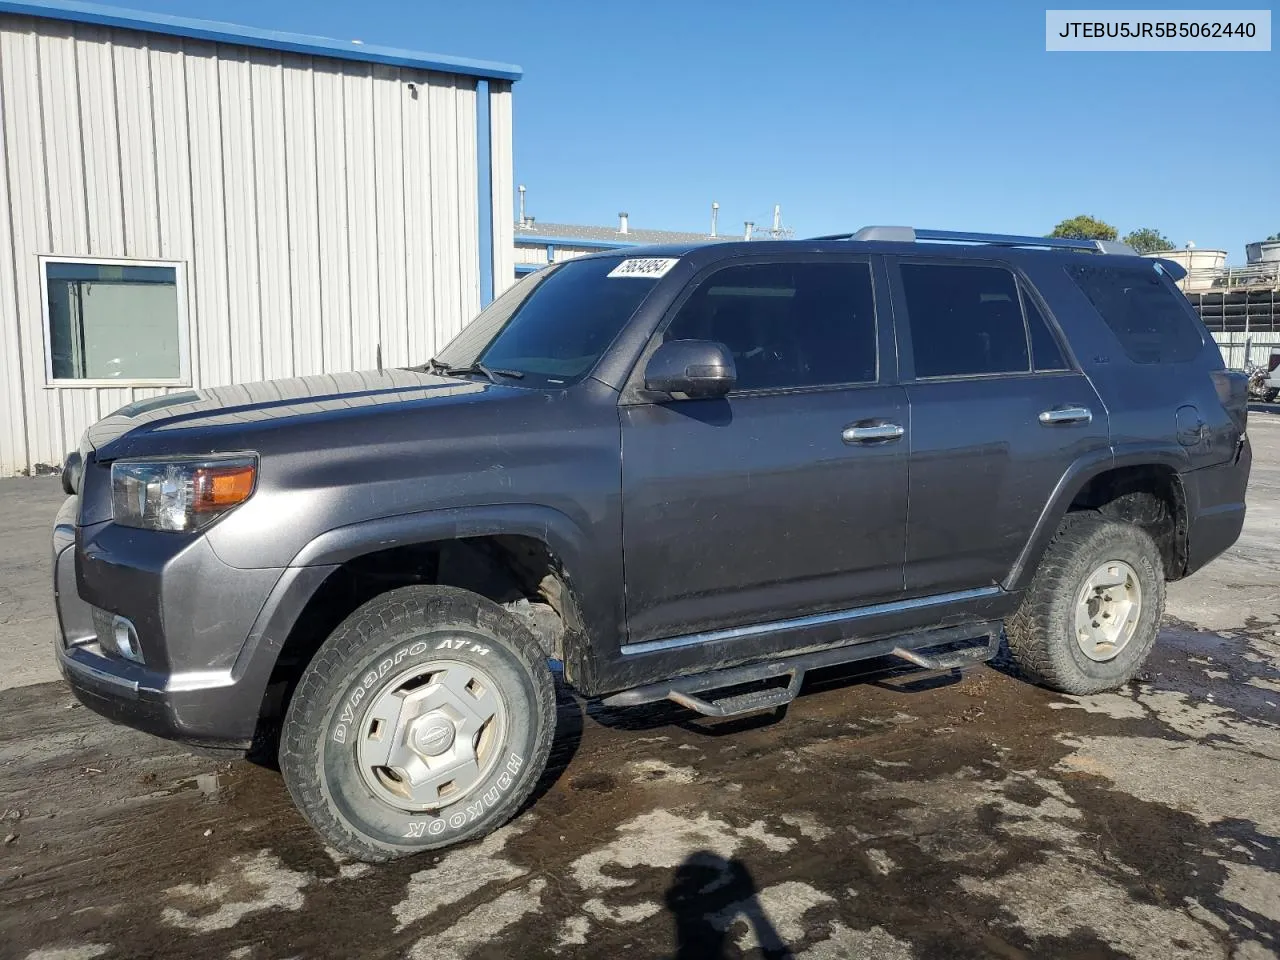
x=431 y=366
x=491 y=373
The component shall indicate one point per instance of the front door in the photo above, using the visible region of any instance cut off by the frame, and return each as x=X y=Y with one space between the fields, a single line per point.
x=998 y=415
x=789 y=496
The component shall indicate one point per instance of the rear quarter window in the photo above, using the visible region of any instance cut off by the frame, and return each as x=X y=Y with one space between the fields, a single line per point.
x=1153 y=323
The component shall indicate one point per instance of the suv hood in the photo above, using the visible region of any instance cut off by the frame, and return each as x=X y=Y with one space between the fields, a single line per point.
x=247 y=404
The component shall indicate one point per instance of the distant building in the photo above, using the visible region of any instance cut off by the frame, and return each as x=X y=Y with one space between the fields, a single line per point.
x=538 y=244
x=1239 y=304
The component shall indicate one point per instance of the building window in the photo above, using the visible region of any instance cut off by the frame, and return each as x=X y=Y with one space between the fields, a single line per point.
x=114 y=322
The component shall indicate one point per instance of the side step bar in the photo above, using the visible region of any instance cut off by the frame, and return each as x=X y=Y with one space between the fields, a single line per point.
x=984 y=640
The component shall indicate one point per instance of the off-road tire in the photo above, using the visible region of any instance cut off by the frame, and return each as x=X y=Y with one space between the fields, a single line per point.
x=405 y=627
x=1042 y=644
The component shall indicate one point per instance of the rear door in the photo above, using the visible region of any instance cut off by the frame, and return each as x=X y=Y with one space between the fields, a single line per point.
x=1156 y=365
x=999 y=411
x=788 y=496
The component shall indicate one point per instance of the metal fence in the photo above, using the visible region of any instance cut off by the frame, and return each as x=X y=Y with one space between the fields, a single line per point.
x=1241 y=349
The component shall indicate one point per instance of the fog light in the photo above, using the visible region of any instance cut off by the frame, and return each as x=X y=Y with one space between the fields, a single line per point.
x=126 y=639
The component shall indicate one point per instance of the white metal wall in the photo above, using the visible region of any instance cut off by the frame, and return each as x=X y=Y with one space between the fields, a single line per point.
x=536 y=253
x=320 y=206
x=502 y=164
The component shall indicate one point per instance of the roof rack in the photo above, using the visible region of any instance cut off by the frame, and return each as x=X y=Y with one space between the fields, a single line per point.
x=912 y=235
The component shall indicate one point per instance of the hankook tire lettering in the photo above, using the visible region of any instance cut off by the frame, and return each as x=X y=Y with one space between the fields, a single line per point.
x=417 y=829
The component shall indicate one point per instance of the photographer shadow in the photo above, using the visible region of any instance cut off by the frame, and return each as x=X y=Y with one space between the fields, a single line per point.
x=707 y=896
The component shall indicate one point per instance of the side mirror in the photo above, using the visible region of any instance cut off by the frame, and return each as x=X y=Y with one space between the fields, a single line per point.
x=696 y=368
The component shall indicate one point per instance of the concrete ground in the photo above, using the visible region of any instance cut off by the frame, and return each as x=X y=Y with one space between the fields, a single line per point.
x=27 y=624
x=888 y=815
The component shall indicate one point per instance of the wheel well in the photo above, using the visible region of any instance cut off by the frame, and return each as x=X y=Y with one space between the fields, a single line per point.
x=1149 y=496
x=520 y=573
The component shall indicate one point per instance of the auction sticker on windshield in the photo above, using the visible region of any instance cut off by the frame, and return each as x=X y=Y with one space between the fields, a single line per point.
x=652 y=267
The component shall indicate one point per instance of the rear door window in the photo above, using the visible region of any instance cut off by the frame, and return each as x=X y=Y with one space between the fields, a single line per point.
x=965 y=319
x=1153 y=323
x=1046 y=352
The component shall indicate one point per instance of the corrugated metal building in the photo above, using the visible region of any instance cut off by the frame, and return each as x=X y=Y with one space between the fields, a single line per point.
x=189 y=204
x=538 y=244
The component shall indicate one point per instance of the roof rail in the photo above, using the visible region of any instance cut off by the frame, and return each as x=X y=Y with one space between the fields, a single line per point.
x=913 y=235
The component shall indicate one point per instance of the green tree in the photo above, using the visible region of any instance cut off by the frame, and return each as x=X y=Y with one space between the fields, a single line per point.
x=1274 y=236
x=1148 y=240
x=1085 y=227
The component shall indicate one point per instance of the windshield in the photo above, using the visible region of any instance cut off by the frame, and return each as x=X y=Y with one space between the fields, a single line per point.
x=553 y=325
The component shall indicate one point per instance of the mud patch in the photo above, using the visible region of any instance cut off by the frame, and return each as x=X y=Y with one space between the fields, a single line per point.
x=1211 y=782
x=245 y=885
x=1064 y=897
x=771 y=919
x=848 y=944
x=808 y=825
x=484 y=924
x=662 y=839
x=659 y=771
x=458 y=874
x=85 y=951
x=573 y=932
x=1255 y=889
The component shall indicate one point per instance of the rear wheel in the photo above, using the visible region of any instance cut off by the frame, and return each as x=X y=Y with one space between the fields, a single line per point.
x=424 y=720
x=1269 y=395
x=1091 y=614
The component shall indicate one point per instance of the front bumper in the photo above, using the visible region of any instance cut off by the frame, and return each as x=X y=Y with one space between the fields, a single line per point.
x=209 y=632
x=100 y=684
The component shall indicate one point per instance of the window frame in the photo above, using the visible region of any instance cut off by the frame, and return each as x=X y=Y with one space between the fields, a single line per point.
x=885 y=374
x=1025 y=289
x=1029 y=292
x=179 y=268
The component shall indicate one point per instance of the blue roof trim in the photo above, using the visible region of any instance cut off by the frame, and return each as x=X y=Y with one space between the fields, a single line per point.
x=219 y=32
x=537 y=240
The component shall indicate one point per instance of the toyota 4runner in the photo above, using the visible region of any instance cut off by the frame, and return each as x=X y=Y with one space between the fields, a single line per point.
x=684 y=472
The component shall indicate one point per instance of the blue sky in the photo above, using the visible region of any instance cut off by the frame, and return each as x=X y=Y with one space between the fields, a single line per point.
x=946 y=115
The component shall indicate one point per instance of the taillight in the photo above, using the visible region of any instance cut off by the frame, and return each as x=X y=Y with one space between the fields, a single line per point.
x=1275 y=360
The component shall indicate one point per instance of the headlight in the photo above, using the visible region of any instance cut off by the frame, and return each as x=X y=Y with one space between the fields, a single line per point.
x=179 y=495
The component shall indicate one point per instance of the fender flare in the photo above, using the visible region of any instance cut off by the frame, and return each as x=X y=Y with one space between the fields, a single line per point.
x=313 y=564
x=1069 y=485
x=594 y=587
x=556 y=529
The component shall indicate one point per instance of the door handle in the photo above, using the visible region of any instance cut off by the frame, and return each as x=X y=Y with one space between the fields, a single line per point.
x=1066 y=415
x=870 y=433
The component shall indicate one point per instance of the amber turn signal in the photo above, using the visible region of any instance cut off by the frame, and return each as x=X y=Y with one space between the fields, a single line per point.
x=217 y=488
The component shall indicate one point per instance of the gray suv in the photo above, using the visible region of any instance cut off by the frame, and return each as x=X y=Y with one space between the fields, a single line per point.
x=686 y=472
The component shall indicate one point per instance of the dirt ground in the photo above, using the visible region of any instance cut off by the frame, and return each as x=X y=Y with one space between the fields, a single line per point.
x=888 y=815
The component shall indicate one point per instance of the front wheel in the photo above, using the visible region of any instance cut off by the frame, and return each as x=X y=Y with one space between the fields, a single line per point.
x=425 y=719
x=1091 y=614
